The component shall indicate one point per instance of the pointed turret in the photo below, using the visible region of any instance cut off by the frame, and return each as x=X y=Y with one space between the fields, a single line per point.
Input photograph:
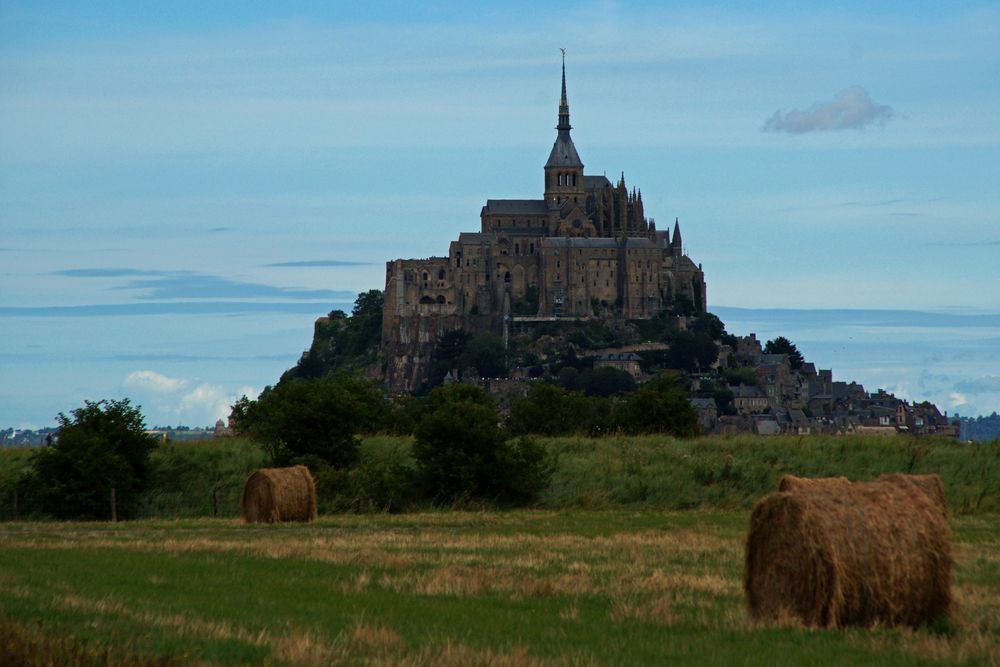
x=563 y=170
x=675 y=239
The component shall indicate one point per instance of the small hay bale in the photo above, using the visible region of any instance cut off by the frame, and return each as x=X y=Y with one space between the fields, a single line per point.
x=834 y=553
x=274 y=495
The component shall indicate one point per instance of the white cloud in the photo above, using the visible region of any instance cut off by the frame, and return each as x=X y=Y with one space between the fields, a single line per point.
x=153 y=381
x=957 y=399
x=850 y=109
x=184 y=401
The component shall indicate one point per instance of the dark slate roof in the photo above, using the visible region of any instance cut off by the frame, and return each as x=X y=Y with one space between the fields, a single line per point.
x=595 y=182
x=563 y=152
x=767 y=427
x=516 y=207
x=475 y=237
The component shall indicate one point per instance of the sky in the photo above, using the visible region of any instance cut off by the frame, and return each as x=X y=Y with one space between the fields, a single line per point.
x=186 y=186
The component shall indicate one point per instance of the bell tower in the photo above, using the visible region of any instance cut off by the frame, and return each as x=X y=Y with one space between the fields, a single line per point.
x=564 y=170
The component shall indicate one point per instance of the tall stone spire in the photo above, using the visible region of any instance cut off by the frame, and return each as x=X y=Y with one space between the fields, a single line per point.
x=563 y=124
x=563 y=151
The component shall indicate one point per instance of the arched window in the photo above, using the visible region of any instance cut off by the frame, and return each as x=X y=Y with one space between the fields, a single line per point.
x=440 y=299
x=506 y=277
x=531 y=248
x=441 y=274
x=517 y=248
x=426 y=277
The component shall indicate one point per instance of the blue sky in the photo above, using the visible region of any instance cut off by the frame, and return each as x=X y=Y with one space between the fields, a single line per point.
x=192 y=183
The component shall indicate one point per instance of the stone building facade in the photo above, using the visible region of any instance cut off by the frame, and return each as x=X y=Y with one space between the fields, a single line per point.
x=584 y=249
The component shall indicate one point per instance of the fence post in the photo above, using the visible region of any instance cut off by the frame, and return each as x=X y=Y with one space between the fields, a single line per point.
x=114 y=507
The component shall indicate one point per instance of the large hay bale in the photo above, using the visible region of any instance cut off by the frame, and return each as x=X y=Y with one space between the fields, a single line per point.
x=274 y=495
x=835 y=553
x=929 y=484
x=793 y=483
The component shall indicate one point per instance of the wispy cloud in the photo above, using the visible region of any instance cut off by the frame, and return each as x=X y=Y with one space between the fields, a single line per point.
x=850 y=109
x=111 y=272
x=316 y=263
x=981 y=385
x=175 y=308
x=202 y=286
x=153 y=381
x=160 y=285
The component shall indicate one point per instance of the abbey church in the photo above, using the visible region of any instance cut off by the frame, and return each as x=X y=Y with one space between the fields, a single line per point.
x=584 y=250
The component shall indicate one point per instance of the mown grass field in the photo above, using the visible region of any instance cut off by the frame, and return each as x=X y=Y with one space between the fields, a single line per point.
x=527 y=587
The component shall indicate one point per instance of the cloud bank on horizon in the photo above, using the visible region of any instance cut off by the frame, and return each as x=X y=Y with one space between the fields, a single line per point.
x=850 y=109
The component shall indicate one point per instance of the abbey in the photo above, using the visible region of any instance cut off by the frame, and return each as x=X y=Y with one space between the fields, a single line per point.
x=585 y=249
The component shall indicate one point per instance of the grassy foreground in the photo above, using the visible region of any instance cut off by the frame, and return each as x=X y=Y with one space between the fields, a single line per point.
x=447 y=588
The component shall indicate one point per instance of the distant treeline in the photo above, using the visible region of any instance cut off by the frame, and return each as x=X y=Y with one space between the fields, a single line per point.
x=980 y=429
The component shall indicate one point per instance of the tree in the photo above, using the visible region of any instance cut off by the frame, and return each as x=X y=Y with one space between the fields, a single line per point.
x=659 y=406
x=457 y=441
x=551 y=410
x=343 y=342
x=691 y=351
x=311 y=419
x=605 y=382
x=101 y=447
x=782 y=345
x=485 y=353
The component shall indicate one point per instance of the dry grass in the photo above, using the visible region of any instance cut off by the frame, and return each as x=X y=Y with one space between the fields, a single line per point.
x=677 y=578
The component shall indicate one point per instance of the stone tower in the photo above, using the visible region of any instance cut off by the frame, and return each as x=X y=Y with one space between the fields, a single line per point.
x=564 y=169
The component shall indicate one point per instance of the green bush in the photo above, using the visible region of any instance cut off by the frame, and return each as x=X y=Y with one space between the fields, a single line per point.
x=457 y=441
x=551 y=410
x=659 y=406
x=383 y=480
x=102 y=452
x=311 y=418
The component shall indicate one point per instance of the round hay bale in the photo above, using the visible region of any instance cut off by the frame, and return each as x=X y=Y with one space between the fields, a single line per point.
x=929 y=484
x=834 y=553
x=274 y=495
x=793 y=483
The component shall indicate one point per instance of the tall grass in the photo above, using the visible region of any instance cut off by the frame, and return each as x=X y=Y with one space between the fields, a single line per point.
x=190 y=479
x=199 y=478
x=732 y=473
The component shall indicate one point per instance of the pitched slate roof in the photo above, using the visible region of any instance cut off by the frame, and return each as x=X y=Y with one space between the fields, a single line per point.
x=595 y=182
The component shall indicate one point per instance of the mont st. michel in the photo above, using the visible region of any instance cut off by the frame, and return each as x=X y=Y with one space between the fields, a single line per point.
x=580 y=288
x=585 y=249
